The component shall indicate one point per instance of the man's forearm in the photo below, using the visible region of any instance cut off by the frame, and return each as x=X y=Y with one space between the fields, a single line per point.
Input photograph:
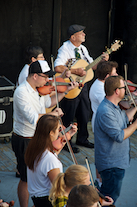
x=131 y=112
x=60 y=97
x=130 y=129
x=60 y=68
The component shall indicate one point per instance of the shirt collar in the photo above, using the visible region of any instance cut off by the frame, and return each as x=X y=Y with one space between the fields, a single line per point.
x=73 y=46
x=29 y=88
x=113 y=105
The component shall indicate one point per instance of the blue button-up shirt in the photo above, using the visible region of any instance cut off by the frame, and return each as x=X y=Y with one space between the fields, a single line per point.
x=110 y=148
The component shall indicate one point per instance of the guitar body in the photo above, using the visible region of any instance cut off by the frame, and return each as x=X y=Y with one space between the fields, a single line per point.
x=89 y=75
x=82 y=64
x=74 y=92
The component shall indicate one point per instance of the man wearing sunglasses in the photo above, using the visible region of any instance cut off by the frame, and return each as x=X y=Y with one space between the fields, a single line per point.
x=112 y=137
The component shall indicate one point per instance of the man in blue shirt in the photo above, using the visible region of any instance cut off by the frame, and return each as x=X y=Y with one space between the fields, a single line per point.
x=112 y=137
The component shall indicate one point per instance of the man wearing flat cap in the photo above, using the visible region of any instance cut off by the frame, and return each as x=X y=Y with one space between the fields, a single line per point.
x=29 y=106
x=78 y=107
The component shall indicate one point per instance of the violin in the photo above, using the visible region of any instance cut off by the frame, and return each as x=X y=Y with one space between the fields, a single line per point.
x=127 y=101
x=60 y=141
x=50 y=86
x=131 y=86
x=128 y=98
x=127 y=84
x=3 y=203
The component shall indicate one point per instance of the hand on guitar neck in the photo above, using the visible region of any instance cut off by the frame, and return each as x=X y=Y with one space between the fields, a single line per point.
x=66 y=73
x=105 y=56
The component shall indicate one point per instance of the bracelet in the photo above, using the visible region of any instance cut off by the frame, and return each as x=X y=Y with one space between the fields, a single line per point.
x=65 y=93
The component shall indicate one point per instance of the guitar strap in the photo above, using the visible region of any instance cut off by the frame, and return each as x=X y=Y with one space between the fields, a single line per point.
x=84 y=55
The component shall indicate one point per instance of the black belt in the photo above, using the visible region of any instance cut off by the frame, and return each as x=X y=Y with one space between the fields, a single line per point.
x=22 y=136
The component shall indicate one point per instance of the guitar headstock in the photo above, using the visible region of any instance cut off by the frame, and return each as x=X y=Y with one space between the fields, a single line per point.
x=115 y=46
x=70 y=62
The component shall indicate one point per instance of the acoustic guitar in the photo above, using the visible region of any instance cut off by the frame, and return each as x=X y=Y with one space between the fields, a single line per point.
x=88 y=68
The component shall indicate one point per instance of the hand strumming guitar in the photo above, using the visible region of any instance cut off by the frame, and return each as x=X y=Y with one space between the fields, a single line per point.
x=78 y=71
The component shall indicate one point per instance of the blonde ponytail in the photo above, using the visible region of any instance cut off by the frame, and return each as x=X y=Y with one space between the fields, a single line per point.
x=74 y=175
x=58 y=188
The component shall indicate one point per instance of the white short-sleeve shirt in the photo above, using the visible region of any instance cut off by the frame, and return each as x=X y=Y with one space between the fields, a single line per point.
x=38 y=181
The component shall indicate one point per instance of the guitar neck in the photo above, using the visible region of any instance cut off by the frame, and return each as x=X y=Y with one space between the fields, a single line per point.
x=97 y=60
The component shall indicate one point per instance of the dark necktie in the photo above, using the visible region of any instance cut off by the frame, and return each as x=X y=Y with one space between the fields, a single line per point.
x=77 y=55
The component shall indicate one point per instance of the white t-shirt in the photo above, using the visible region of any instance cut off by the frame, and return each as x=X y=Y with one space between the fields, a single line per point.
x=23 y=74
x=67 y=51
x=38 y=181
x=96 y=95
x=27 y=106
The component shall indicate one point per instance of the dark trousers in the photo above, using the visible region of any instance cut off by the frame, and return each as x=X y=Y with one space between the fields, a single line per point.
x=78 y=108
x=112 y=182
x=19 y=146
x=41 y=201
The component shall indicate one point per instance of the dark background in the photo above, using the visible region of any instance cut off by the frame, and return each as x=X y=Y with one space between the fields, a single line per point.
x=45 y=22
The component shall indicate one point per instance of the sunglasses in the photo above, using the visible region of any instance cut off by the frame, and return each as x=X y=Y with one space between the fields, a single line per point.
x=122 y=87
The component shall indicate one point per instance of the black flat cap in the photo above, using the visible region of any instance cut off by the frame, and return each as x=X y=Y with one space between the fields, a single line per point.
x=75 y=28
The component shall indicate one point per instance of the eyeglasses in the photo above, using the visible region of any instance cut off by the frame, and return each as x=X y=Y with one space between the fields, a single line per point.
x=42 y=76
x=41 y=57
x=122 y=87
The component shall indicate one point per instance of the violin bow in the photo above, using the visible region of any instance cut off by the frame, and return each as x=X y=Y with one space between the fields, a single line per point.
x=127 y=89
x=91 y=177
x=125 y=69
x=68 y=144
x=92 y=181
x=90 y=174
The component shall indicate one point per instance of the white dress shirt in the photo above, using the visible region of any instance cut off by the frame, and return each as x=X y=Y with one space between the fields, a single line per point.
x=27 y=106
x=67 y=51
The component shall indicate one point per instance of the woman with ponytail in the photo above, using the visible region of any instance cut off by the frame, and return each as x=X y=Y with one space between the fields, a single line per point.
x=64 y=182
